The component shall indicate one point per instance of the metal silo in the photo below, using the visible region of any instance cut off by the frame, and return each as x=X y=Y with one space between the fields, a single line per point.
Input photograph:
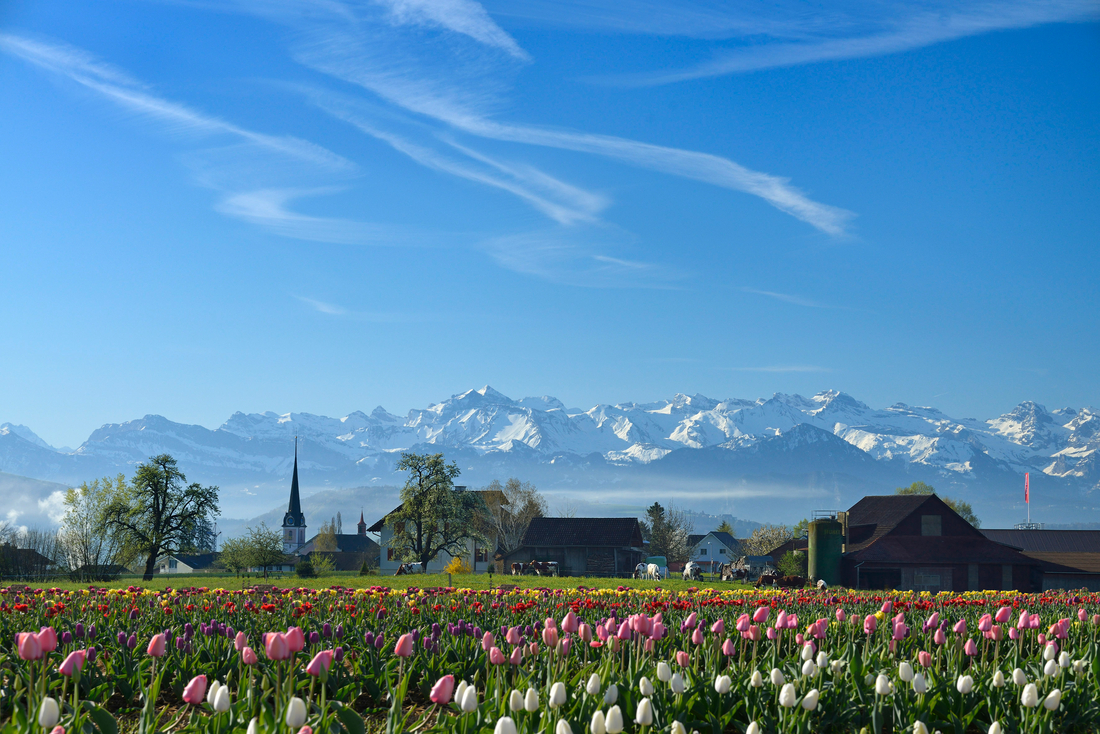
x=826 y=541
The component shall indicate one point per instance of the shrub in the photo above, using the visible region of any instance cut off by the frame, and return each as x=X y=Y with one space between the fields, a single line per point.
x=793 y=564
x=304 y=569
x=457 y=566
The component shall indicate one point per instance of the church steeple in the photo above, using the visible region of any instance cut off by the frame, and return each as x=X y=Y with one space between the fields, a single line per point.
x=294 y=522
x=362 y=524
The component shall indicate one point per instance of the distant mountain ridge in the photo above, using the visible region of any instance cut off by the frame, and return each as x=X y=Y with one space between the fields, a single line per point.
x=830 y=444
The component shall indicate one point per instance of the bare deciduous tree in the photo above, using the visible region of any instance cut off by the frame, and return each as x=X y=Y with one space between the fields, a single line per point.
x=512 y=507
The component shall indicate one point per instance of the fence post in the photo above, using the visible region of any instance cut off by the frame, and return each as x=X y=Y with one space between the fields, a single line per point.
x=449 y=580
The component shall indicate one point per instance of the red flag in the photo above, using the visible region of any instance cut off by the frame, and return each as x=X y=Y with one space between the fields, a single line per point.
x=1027 y=482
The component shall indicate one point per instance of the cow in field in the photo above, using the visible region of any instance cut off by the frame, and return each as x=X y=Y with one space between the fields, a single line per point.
x=647 y=571
x=693 y=572
x=730 y=572
x=408 y=568
x=783 y=582
x=541 y=568
x=517 y=568
x=767 y=579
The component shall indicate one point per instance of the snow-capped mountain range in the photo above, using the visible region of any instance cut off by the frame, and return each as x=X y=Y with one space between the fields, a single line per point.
x=830 y=444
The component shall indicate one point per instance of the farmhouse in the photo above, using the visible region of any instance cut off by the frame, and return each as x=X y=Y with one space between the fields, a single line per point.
x=1070 y=558
x=583 y=546
x=713 y=549
x=186 y=563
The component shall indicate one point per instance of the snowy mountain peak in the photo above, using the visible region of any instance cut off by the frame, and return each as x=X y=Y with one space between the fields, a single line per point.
x=24 y=433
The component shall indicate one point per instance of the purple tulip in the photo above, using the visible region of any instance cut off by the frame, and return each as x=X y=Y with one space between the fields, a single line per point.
x=379 y=641
x=338 y=654
x=121 y=638
x=132 y=642
x=133 y=614
x=326 y=630
x=91 y=655
x=368 y=637
x=91 y=632
x=79 y=630
x=314 y=638
x=339 y=632
x=66 y=637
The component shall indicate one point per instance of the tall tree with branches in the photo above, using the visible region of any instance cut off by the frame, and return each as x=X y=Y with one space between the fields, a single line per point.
x=160 y=512
x=433 y=517
x=512 y=507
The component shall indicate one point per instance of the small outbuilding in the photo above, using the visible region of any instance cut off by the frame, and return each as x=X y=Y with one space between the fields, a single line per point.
x=583 y=546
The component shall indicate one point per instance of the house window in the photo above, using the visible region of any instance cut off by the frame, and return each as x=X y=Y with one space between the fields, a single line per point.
x=931 y=525
x=481 y=555
x=702 y=551
x=722 y=551
x=389 y=554
x=171 y=563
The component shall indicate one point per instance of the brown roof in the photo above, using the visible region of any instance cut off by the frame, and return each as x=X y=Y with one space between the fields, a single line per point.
x=1068 y=562
x=937 y=550
x=873 y=517
x=795 y=544
x=377 y=527
x=620 y=532
x=1048 y=541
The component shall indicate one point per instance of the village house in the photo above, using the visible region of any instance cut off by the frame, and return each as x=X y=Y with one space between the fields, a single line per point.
x=583 y=546
x=713 y=549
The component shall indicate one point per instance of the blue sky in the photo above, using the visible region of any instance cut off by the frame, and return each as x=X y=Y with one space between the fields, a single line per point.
x=324 y=206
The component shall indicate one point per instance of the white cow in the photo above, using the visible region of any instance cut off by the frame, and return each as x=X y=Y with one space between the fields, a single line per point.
x=693 y=571
x=647 y=571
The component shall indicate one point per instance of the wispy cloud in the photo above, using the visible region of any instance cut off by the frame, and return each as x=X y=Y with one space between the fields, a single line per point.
x=904 y=28
x=782 y=368
x=460 y=16
x=321 y=307
x=376 y=317
x=786 y=298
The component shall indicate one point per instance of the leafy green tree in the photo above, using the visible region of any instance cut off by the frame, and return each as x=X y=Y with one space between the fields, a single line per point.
x=264 y=547
x=725 y=527
x=235 y=555
x=964 y=510
x=792 y=564
x=160 y=512
x=434 y=518
x=89 y=548
x=802 y=527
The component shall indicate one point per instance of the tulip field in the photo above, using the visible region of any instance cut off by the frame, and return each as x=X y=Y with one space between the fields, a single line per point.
x=339 y=660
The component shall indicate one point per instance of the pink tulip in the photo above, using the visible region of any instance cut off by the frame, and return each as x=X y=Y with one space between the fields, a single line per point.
x=728 y=647
x=570 y=623
x=248 y=656
x=601 y=632
x=517 y=655
x=985 y=623
x=648 y=646
x=276 y=647
x=840 y=615
x=47 y=638
x=1042 y=639
x=697 y=637
x=1013 y=633
x=870 y=624
x=900 y=631
x=932 y=622
x=771 y=633
x=156 y=646
x=550 y=636
x=899 y=617
x=781 y=620
x=57 y=730
x=659 y=617
x=442 y=690
x=295 y=639
x=321 y=663
x=996 y=633
x=682 y=658
x=28 y=645
x=1003 y=615
x=404 y=646
x=799 y=639
x=754 y=633
x=1096 y=619
x=792 y=621
x=72 y=663
x=692 y=620
x=306 y=729
x=533 y=648
x=1082 y=615
x=657 y=631
x=960 y=627
x=887 y=607
x=586 y=632
x=487 y=641
x=761 y=614
x=892 y=646
x=194 y=691
x=924 y=658
x=718 y=628
x=939 y=638
x=820 y=628
x=970 y=648
x=742 y=623
x=1025 y=620
x=240 y=642
x=624 y=631
x=513 y=637
x=496 y=657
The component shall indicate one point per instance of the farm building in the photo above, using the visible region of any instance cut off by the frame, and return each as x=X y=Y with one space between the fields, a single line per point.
x=713 y=549
x=1070 y=558
x=583 y=546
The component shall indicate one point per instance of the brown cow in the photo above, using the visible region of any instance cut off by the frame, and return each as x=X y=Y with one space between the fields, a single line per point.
x=517 y=568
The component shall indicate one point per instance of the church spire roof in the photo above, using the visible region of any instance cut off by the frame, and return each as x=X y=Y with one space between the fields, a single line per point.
x=294 y=509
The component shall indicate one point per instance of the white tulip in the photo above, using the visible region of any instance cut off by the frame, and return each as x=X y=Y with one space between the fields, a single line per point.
x=787 y=696
x=1064 y=660
x=809 y=670
x=531 y=700
x=1049 y=652
x=998 y=679
x=505 y=725
x=1018 y=677
x=469 y=699
x=557 y=695
x=644 y=715
x=807 y=651
x=1050 y=668
x=678 y=728
x=597 y=726
x=756 y=680
x=664 y=673
x=1030 y=697
x=883 y=686
x=777 y=677
x=254 y=725
x=611 y=695
x=754 y=728
x=919 y=727
x=836 y=666
x=965 y=684
x=49 y=713
x=563 y=727
x=869 y=679
x=809 y=701
x=1080 y=666
x=995 y=728
x=296 y=713
x=593 y=686
x=920 y=685
x=1053 y=699
x=822 y=659
x=515 y=701
x=459 y=690
x=645 y=687
x=221 y=701
x=722 y=684
x=212 y=691
x=677 y=683
x=614 y=721
x=905 y=672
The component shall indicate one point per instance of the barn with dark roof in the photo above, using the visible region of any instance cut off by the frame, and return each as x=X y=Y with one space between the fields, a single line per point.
x=918 y=542
x=583 y=546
